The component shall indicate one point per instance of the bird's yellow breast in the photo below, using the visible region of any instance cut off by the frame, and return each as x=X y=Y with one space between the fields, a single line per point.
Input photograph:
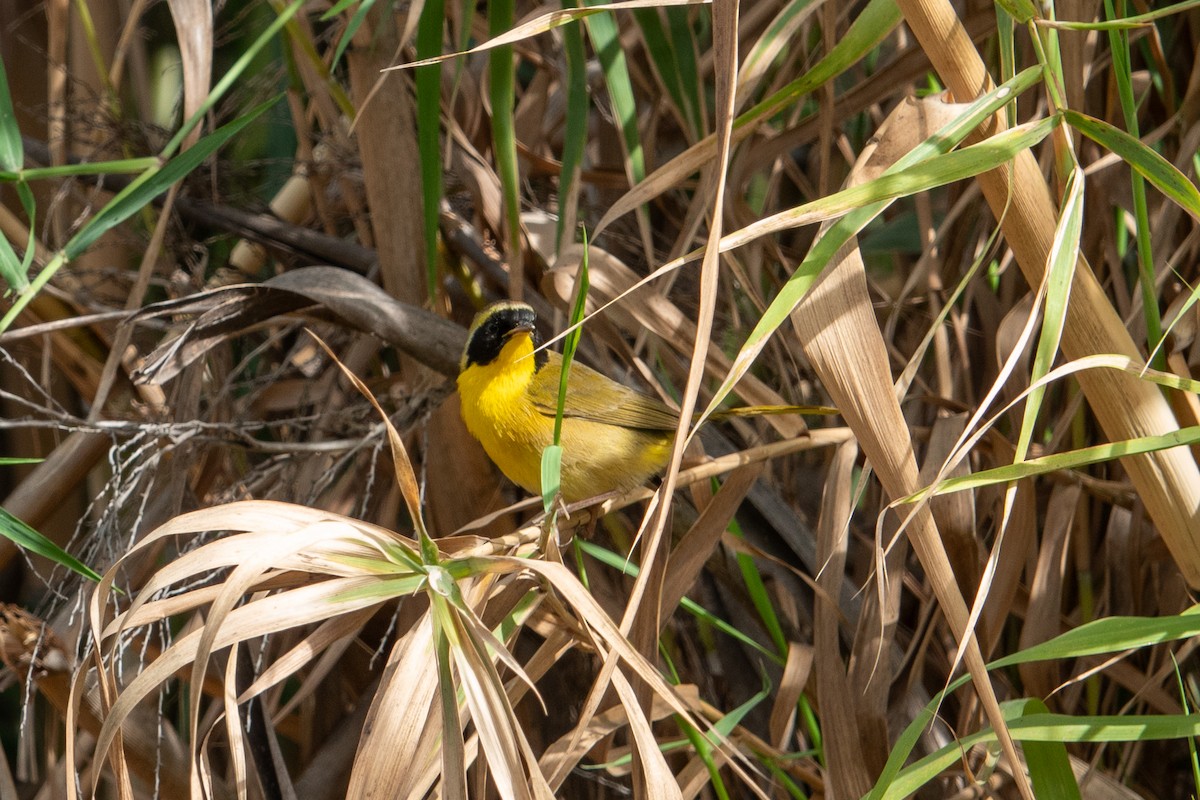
x=499 y=410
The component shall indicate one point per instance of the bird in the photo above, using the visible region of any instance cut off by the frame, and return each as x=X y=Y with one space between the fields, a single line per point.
x=614 y=438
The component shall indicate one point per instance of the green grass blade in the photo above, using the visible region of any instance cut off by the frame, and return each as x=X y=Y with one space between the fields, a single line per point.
x=704 y=751
x=731 y=719
x=1006 y=50
x=454 y=779
x=1064 y=253
x=356 y=21
x=552 y=456
x=624 y=565
x=428 y=81
x=775 y=40
x=662 y=53
x=1048 y=728
x=27 y=538
x=1102 y=636
x=905 y=744
x=870 y=28
x=1073 y=459
x=606 y=41
x=1153 y=167
x=1193 y=756
x=551 y=475
x=12 y=158
x=383 y=589
x=117 y=167
x=1020 y=10
x=1118 y=43
x=122 y=206
x=910 y=179
x=685 y=47
x=705 y=743
x=672 y=50
x=1108 y=635
x=1136 y=21
x=1048 y=763
x=571 y=341
x=502 y=77
x=12 y=153
x=11 y=270
x=761 y=599
x=542 y=24
x=575 y=135
x=337 y=8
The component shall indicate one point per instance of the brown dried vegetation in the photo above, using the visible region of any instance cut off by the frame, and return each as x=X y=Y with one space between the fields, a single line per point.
x=316 y=587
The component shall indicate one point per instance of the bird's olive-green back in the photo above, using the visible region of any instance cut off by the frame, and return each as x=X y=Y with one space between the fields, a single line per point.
x=593 y=396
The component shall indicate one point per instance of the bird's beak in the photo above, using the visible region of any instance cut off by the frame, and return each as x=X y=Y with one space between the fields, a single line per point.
x=525 y=328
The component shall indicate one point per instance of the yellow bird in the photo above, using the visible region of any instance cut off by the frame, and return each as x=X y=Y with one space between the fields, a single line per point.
x=612 y=436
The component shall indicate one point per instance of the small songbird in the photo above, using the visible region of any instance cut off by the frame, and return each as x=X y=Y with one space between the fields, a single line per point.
x=613 y=438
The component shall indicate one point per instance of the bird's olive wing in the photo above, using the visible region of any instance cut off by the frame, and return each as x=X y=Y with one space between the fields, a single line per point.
x=596 y=397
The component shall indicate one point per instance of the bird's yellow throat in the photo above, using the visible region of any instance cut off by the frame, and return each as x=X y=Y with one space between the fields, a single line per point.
x=497 y=411
x=491 y=391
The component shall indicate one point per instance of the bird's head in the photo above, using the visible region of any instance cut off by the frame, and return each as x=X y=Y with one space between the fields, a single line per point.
x=504 y=328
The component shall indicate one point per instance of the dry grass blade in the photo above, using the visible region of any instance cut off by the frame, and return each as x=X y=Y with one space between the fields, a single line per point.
x=659 y=782
x=401 y=721
x=291 y=609
x=406 y=477
x=510 y=762
x=956 y=518
x=1046 y=591
x=386 y=135
x=327 y=643
x=193 y=21
x=849 y=754
x=693 y=550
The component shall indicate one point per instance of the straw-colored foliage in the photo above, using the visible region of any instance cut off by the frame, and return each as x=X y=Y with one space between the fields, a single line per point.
x=974 y=236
